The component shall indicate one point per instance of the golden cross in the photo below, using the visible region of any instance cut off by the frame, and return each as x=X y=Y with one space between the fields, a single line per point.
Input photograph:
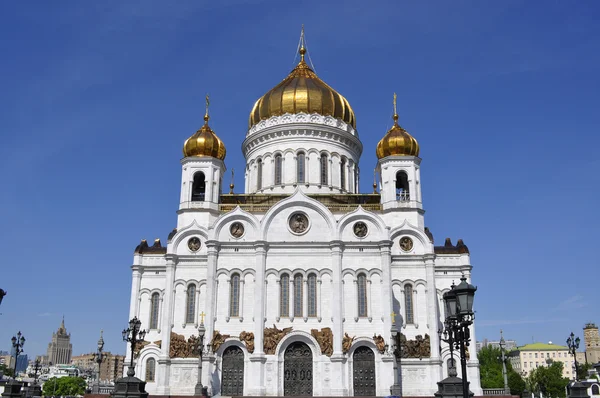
x=207 y=104
x=393 y=314
x=202 y=315
x=395 y=110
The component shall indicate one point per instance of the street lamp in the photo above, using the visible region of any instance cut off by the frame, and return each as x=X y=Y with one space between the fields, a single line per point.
x=133 y=335
x=2 y=294
x=18 y=342
x=36 y=369
x=98 y=358
x=449 y=339
x=573 y=344
x=459 y=316
x=504 y=375
x=200 y=389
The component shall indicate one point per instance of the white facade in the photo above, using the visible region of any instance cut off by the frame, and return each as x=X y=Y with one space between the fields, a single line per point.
x=351 y=279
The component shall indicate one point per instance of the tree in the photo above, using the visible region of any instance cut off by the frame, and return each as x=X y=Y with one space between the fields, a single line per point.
x=6 y=371
x=64 y=386
x=582 y=371
x=490 y=369
x=548 y=380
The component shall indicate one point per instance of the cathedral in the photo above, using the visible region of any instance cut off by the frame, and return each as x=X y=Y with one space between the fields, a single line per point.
x=301 y=285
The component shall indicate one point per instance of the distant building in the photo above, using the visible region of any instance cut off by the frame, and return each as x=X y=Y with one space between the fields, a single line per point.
x=110 y=369
x=592 y=345
x=510 y=344
x=60 y=348
x=22 y=362
x=531 y=356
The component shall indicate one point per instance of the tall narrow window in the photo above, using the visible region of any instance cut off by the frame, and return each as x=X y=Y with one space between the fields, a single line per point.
x=408 y=304
x=300 y=168
x=402 y=191
x=298 y=296
x=324 y=165
x=355 y=179
x=259 y=174
x=362 y=295
x=190 y=304
x=312 y=295
x=154 y=303
x=150 y=369
x=284 y=296
x=343 y=174
x=278 y=166
x=234 y=296
x=199 y=187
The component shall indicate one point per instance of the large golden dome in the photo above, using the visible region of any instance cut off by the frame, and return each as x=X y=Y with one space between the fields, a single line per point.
x=302 y=91
x=205 y=142
x=397 y=141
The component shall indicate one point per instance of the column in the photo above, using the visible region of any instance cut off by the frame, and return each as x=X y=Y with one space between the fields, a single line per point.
x=241 y=299
x=135 y=291
x=305 y=299
x=211 y=289
x=258 y=358
x=166 y=319
x=338 y=384
x=432 y=310
x=291 y=298
x=386 y=286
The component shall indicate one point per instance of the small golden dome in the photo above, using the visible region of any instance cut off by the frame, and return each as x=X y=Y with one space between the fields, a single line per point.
x=205 y=142
x=397 y=141
x=302 y=91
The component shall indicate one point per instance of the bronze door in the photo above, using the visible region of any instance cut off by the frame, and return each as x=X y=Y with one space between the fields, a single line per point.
x=364 y=372
x=233 y=372
x=298 y=370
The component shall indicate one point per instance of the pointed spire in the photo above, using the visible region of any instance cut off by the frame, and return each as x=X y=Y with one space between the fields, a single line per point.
x=231 y=184
x=395 y=111
x=206 y=117
x=302 y=50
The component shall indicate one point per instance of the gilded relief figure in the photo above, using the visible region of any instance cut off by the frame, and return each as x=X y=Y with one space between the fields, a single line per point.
x=272 y=337
x=380 y=343
x=248 y=339
x=217 y=340
x=347 y=342
x=325 y=339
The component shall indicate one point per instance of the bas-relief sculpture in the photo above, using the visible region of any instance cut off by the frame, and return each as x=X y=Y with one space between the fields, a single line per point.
x=182 y=348
x=272 y=337
x=325 y=339
x=420 y=347
x=347 y=342
x=248 y=339
x=380 y=343
x=217 y=340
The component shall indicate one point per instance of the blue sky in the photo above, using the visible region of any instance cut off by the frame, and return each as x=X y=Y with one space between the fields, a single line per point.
x=98 y=98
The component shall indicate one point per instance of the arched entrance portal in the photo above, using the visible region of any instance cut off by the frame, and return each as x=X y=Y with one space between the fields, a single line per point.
x=297 y=370
x=233 y=372
x=364 y=372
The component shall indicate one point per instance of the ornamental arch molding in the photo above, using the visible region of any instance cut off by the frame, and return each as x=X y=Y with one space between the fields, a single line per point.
x=232 y=342
x=364 y=342
x=407 y=228
x=236 y=214
x=187 y=231
x=295 y=336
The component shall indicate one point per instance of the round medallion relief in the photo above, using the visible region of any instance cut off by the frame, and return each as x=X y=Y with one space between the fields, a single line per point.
x=298 y=223
x=237 y=229
x=406 y=243
x=360 y=229
x=194 y=244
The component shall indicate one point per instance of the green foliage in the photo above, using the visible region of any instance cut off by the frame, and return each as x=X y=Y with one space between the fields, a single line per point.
x=490 y=369
x=6 y=371
x=582 y=371
x=548 y=380
x=64 y=386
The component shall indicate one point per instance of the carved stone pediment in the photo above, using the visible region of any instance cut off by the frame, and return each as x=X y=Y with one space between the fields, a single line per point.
x=325 y=339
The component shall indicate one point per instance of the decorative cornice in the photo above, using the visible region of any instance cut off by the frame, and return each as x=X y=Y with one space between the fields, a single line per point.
x=303 y=118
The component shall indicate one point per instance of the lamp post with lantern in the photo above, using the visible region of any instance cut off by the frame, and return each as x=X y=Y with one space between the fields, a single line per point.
x=200 y=390
x=573 y=345
x=133 y=334
x=131 y=386
x=503 y=358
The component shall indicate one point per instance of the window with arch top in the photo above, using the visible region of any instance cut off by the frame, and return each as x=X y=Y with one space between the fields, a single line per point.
x=402 y=189
x=278 y=166
x=324 y=171
x=190 y=304
x=300 y=168
x=409 y=315
x=259 y=167
x=595 y=389
x=362 y=295
x=284 y=296
x=312 y=295
x=298 y=296
x=154 y=304
x=150 y=369
x=234 y=296
x=199 y=187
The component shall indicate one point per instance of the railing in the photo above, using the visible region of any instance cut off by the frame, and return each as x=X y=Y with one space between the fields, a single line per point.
x=403 y=196
x=261 y=203
x=494 y=391
x=106 y=389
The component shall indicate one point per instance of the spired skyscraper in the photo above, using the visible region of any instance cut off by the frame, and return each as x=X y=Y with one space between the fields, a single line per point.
x=60 y=348
x=299 y=280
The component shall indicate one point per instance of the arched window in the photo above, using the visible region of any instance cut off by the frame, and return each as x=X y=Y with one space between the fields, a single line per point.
x=278 y=166
x=362 y=295
x=284 y=296
x=190 y=304
x=298 y=296
x=402 y=191
x=259 y=174
x=595 y=389
x=234 y=296
x=409 y=316
x=150 y=369
x=199 y=187
x=154 y=303
x=324 y=179
x=300 y=168
x=343 y=173
x=312 y=295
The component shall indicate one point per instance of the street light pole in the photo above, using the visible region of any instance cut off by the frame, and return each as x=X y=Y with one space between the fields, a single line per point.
x=573 y=344
x=18 y=342
x=448 y=338
x=504 y=374
x=200 y=390
x=133 y=335
x=98 y=358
